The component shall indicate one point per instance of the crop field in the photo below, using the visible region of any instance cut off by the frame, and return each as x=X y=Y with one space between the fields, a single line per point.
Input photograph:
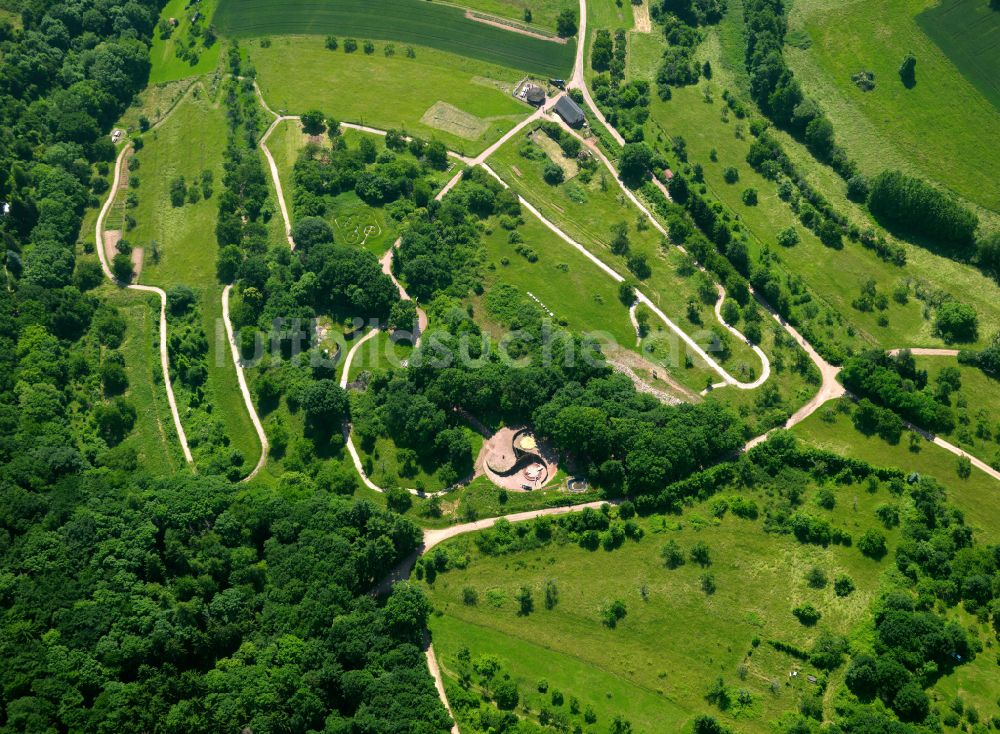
x=647 y=667
x=937 y=128
x=297 y=73
x=830 y=428
x=969 y=34
x=184 y=238
x=587 y=211
x=406 y=21
x=834 y=276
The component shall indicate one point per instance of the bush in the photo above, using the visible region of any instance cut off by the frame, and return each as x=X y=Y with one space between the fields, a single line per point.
x=956 y=322
x=816 y=578
x=843 y=585
x=730 y=175
x=807 y=614
x=553 y=174
x=613 y=612
x=750 y=197
x=872 y=544
x=788 y=237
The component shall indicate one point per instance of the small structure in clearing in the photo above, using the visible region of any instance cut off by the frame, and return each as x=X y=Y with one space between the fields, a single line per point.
x=535 y=96
x=514 y=460
x=570 y=111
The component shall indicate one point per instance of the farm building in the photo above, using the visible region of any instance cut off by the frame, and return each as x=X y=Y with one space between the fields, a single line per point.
x=569 y=111
x=535 y=96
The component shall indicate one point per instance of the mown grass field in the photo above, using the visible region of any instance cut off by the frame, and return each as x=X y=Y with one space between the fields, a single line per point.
x=656 y=667
x=975 y=496
x=406 y=21
x=185 y=239
x=543 y=12
x=967 y=32
x=297 y=73
x=166 y=66
x=587 y=211
x=154 y=437
x=938 y=128
x=833 y=276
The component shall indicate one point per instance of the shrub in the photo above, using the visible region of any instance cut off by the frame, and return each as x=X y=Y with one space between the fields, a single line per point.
x=553 y=174
x=816 y=578
x=843 y=585
x=730 y=175
x=807 y=614
x=788 y=237
x=750 y=197
x=613 y=612
x=872 y=544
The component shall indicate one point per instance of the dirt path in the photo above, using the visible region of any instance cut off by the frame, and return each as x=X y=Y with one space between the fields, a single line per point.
x=497 y=23
x=164 y=353
x=925 y=352
x=386 y=263
x=265 y=447
x=640 y=13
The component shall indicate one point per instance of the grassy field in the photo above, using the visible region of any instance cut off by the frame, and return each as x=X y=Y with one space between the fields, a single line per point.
x=185 y=240
x=388 y=92
x=167 y=66
x=644 y=669
x=937 y=128
x=406 y=21
x=833 y=276
x=154 y=438
x=543 y=12
x=831 y=429
x=645 y=51
x=967 y=31
x=586 y=211
x=977 y=406
x=566 y=282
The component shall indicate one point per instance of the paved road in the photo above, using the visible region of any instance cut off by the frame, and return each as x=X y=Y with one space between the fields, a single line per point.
x=265 y=446
x=164 y=353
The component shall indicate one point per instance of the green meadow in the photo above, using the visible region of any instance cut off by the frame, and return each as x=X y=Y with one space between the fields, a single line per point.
x=179 y=245
x=831 y=429
x=167 y=66
x=154 y=438
x=834 y=277
x=434 y=25
x=543 y=12
x=938 y=128
x=976 y=404
x=587 y=210
x=652 y=667
x=297 y=73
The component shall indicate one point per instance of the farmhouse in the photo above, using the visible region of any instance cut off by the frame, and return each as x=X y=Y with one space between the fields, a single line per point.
x=569 y=111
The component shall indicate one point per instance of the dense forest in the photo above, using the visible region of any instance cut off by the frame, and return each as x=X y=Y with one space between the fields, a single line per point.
x=130 y=603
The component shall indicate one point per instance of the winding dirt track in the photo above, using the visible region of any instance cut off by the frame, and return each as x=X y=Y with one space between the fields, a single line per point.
x=265 y=446
x=164 y=353
x=830 y=388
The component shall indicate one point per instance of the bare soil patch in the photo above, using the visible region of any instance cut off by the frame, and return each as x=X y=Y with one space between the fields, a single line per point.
x=641 y=15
